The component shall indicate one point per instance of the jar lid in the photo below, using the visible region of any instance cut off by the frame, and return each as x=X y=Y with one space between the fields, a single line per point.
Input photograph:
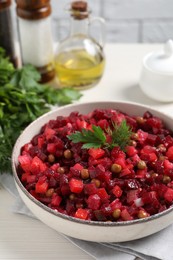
x=161 y=61
x=4 y=4
x=33 y=10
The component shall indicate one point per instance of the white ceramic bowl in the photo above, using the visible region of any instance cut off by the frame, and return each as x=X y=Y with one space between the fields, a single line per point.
x=82 y=229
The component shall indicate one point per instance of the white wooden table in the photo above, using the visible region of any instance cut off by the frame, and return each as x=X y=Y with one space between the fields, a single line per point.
x=22 y=237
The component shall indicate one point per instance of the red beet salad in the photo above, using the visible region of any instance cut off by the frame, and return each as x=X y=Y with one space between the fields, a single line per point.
x=103 y=166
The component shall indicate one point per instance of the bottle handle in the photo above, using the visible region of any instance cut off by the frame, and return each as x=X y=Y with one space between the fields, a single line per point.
x=102 y=26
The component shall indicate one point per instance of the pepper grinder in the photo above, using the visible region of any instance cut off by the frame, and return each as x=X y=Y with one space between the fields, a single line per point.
x=7 y=39
x=35 y=36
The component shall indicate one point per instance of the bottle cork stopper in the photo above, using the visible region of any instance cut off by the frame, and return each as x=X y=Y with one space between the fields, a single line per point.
x=80 y=6
x=79 y=10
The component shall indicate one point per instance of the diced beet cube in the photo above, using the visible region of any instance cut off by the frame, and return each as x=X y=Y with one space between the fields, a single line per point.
x=106 y=209
x=94 y=202
x=56 y=200
x=81 y=124
x=117 y=191
x=65 y=190
x=103 y=123
x=169 y=153
x=147 y=149
x=37 y=165
x=168 y=141
x=151 y=139
x=24 y=176
x=70 y=207
x=81 y=213
x=152 y=157
x=25 y=162
x=141 y=173
x=90 y=188
x=78 y=167
x=147 y=115
x=125 y=215
x=41 y=141
x=148 y=197
x=167 y=165
x=49 y=133
x=76 y=185
x=42 y=185
x=96 y=153
x=51 y=148
x=169 y=195
x=121 y=161
x=130 y=150
x=55 y=166
x=104 y=176
x=142 y=136
x=100 y=169
x=102 y=194
x=52 y=182
x=105 y=162
x=125 y=172
x=117 y=153
x=131 y=122
x=118 y=117
x=92 y=172
x=135 y=159
x=155 y=122
x=27 y=147
x=76 y=170
x=31 y=178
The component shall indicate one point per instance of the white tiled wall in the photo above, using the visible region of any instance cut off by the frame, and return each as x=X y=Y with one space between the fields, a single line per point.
x=126 y=20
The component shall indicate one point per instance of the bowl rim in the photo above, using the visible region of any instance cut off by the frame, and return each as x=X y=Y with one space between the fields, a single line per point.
x=70 y=218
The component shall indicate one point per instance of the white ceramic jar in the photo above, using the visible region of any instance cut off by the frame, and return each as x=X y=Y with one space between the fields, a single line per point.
x=36 y=42
x=156 y=79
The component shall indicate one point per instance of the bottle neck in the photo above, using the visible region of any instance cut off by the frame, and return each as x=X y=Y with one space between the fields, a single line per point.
x=79 y=26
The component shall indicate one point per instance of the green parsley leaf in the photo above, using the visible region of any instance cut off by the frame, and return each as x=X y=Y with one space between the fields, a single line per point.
x=95 y=138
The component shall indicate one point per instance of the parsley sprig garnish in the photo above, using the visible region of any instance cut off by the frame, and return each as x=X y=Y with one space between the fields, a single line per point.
x=119 y=134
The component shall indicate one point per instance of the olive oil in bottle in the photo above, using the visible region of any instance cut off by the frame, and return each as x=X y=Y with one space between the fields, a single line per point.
x=79 y=60
x=79 y=69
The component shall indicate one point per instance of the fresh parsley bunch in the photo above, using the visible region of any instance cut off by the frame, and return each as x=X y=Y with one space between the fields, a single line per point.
x=22 y=100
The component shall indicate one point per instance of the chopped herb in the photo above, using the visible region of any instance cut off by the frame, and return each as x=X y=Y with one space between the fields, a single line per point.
x=120 y=135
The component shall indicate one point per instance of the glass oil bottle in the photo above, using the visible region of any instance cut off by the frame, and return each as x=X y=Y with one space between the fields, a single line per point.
x=79 y=60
